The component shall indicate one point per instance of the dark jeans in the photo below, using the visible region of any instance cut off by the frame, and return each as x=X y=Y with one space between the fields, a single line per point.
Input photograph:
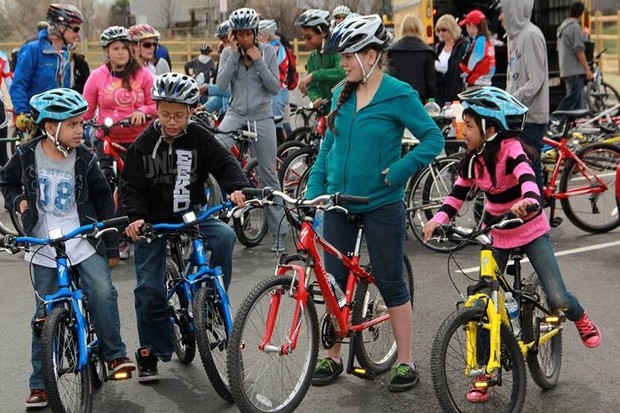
x=532 y=135
x=575 y=94
x=384 y=229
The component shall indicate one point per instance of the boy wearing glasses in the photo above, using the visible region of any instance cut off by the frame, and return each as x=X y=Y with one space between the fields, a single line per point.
x=144 y=39
x=44 y=63
x=324 y=71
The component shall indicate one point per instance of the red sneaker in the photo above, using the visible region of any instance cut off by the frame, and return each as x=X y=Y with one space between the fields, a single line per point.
x=590 y=334
x=37 y=398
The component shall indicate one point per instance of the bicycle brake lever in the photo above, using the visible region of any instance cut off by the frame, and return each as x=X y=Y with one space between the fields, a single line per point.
x=102 y=231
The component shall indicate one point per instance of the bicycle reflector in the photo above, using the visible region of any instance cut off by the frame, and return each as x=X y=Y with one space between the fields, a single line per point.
x=321 y=125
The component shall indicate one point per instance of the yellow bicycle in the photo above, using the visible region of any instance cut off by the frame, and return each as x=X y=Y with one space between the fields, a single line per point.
x=478 y=360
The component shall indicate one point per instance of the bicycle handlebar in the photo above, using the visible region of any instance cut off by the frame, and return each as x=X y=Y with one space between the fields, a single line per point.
x=336 y=199
x=189 y=218
x=12 y=242
x=108 y=123
x=236 y=133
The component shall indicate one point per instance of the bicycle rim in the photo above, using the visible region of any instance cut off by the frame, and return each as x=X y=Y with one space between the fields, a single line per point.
x=375 y=347
x=183 y=338
x=544 y=365
x=595 y=213
x=268 y=381
x=449 y=360
x=251 y=227
x=212 y=339
x=294 y=168
x=68 y=390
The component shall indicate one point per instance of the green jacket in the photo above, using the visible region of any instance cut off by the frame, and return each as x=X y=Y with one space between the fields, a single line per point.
x=326 y=73
x=366 y=142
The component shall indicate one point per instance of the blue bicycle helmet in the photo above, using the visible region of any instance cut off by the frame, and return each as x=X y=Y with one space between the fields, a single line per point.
x=244 y=19
x=492 y=103
x=176 y=87
x=222 y=30
x=57 y=105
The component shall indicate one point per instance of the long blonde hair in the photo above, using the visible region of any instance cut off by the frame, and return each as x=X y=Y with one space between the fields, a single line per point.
x=411 y=27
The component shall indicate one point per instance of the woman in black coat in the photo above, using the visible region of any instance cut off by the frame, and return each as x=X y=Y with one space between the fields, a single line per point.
x=411 y=60
x=450 y=50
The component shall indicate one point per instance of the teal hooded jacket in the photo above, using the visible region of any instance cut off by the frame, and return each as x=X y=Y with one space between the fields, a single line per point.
x=365 y=143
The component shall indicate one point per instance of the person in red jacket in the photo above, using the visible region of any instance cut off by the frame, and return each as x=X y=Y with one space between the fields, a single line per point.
x=478 y=64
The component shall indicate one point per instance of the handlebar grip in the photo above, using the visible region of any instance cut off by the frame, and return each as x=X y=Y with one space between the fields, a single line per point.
x=351 y=199
x=257 y=192
x=114 y=222
x=528 y=209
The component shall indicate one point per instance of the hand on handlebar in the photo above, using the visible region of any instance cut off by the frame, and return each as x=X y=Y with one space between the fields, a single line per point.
x=133 y=230
x=24 y=122
x=237 y=198
x=138 y=118
x=520 y=208
x=428 y=230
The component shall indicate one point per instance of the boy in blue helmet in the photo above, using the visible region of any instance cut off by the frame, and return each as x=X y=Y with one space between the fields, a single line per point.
x=57 y=166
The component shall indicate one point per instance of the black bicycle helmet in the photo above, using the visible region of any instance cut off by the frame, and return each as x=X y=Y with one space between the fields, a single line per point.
x=205 y=48
x=176 y=87
x=314 y=18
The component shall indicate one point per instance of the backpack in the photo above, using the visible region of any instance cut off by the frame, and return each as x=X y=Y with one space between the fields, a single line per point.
x=292 y=77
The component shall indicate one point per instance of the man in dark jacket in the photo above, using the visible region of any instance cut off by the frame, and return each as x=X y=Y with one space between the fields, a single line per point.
x=411 y=60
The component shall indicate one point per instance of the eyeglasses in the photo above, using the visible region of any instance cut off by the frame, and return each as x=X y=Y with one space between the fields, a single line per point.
x=443 y=29
x=177 y=117
x=148 y=45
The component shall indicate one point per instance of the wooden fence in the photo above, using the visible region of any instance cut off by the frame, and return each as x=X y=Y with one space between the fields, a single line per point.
x=606 y=35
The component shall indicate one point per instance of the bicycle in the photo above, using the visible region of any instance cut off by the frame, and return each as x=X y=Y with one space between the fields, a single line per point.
x=476 y=349
x=277 y=330
x=71 y=363
x=199 y=307
x=600 y=94
x=586 y=181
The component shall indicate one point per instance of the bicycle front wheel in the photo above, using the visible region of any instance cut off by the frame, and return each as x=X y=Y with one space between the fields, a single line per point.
x=375 y=347
x=69 y=390
x=251 y=227
x=293 y=169
x=182 y=334
x=592 y=212
x=546 y=363
x=212 y=339
x=506 y=386
x=272 y=376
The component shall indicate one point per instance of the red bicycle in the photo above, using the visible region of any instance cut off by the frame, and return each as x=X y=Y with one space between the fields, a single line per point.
x=273 y=348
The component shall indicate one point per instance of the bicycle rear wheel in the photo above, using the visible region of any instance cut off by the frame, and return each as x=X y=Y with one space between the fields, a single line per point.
x=251 y=227
x=182 y=334
x=544 y=365
x=68 y=390
x=212 y=339
x=271 y=379
x=595 y=213
x=375 y=347
x=449 y=360
x=608 y=99
x=294 y=167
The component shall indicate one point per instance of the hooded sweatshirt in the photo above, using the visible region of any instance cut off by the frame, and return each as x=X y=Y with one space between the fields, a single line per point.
x=162 y=181
x=528 y=74
x=570 y=42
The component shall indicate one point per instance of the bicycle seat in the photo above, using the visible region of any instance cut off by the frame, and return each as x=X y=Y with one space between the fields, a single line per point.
x=572 y=114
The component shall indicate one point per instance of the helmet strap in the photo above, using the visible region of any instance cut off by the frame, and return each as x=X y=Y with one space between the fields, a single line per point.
x=63 y=150
x=372 y=69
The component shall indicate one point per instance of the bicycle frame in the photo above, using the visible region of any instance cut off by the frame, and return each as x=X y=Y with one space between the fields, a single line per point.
x=308 y=242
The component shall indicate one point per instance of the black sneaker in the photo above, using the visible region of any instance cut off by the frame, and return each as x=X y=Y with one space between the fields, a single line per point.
x=402 y=377
x=147 y=365
x=326 y=371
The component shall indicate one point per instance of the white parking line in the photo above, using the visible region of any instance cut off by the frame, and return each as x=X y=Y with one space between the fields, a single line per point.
x=559 y=253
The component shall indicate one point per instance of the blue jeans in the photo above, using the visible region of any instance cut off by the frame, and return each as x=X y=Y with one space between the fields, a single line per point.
x=154 y=328
x=384 y=229
x=102 y=305
x=532 y=135
x=540 y=254
x=575 y=94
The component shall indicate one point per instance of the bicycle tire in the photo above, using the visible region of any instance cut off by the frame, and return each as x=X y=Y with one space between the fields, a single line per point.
x=16 y=220
x=212 y=339
x=303 y=134
x=98 y=369
x=294 y=167
x=545 y=365
x=597 y=105
x=594 y=213
x=449 y=360
x=287 y=148
x=182 y=332
x=251 y=227
x=256 y=378
x=375 y=347
x=67 y=392
x=213 y=192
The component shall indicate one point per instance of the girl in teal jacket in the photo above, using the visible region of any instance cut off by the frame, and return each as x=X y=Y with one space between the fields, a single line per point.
x=361 y=155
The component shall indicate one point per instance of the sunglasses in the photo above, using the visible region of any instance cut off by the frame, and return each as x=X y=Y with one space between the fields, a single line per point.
x=76 y=29
x=148 y=45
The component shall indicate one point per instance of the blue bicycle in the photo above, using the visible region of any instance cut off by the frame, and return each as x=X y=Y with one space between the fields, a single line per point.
x=198 y=303
x=71 y=363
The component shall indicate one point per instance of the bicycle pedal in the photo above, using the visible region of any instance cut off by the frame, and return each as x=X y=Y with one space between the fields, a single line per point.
x=120 y=376
x=555 y=222
x=363 y=373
